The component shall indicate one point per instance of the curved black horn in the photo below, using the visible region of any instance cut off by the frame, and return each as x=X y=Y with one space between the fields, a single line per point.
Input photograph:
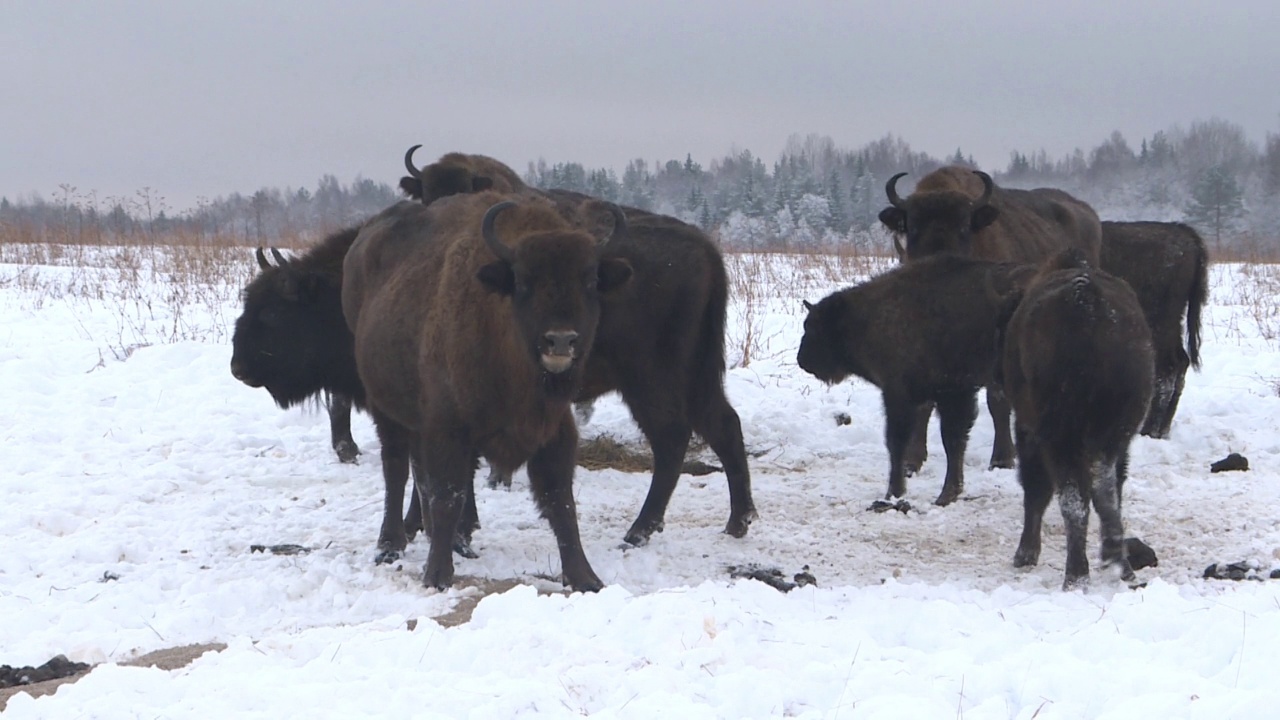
x=890 y=189
x=262 y=259
x=619 y=224
x=408 y=162
x=987 y=186
x=281 y=260
x=490 y=239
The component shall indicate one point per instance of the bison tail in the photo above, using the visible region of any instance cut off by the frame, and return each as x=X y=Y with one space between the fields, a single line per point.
x=1196 y=299
x=709 y=365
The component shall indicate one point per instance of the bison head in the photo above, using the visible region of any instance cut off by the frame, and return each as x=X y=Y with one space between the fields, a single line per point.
x=555 y=280
x=291 y=333
x=938 y=221
x=436 y=181
x=822 y=349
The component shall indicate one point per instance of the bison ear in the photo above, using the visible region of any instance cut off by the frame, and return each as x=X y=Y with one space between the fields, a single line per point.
x=983 y=217
x=411 y=187
x=612 y=274
x=808 y=306
x=480 y=184
x=498 y=277
x=894 y=218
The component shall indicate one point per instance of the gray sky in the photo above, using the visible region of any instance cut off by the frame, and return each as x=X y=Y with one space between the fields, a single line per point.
x=203 y=99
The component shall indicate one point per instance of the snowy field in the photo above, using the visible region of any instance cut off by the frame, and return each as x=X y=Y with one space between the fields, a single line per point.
x=129 y=451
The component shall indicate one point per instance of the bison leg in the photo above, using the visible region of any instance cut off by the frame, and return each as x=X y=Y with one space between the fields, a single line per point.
x=899 y=422
x=449 y=472
x=1037 y=491
x=1170 y=377
x=498 y=478
x=918 y=447
x=719 y=425
x=1106 y=500
x=956 y=413
x=551 y=479
x=339 y=407
x=415 y=520
x=395 y=473
x=1073 y=499
x=1002 y=451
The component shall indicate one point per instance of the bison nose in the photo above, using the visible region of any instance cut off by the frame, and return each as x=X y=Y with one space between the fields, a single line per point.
x=237 y=370
x=561 y=342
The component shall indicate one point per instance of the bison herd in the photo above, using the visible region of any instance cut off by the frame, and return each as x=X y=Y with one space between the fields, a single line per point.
x=470 y=318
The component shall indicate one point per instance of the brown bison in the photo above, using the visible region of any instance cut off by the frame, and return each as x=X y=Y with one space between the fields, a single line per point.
x=473 y=319
x=1077 y=367
x=660 y=344
x=457 y=173
x=1166 y=264
x=961 y=211
x=922 y=332
x=292 y=339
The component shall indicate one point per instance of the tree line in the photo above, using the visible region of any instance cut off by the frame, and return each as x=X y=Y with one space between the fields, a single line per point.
x=815 y=195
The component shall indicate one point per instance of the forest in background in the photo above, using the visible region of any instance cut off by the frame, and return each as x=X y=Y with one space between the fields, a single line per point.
x=816 y=195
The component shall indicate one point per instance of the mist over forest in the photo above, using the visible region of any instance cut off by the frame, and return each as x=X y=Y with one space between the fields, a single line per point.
x=814 y=195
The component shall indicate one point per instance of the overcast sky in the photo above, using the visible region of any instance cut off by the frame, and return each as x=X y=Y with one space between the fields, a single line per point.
x=203 y=99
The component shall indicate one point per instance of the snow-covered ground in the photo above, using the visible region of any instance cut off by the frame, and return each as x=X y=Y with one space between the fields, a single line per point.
x=162 y=470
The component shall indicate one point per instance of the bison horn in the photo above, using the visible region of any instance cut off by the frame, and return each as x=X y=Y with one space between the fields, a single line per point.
x=619 y=224
x=408 y=162
x=281 y=260
x=490 y=239
x=262 y=259
x=987 y=187
x=890 y=189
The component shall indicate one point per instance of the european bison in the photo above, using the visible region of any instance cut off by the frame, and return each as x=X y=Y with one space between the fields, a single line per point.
x=457 y=173
x=922 y=332
x=473 y=320
x=1077 y=367
x=292 y=339
x=1166 y=264
x=961 y=211
x=660 y=345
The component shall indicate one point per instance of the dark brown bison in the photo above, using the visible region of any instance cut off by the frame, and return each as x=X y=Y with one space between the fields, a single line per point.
x=473 y=319
x=922 y=332
x=1167 y=266
x=1077 y=367
x=456 y=173
x=961 y=211
x=660 y=344
x=292 y=340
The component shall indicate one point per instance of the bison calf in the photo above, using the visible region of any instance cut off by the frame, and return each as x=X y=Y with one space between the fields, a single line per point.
x=1077 y=367
x=923 y=332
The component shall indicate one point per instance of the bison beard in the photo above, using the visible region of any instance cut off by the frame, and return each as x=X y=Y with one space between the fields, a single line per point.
x=454 y=351
x=1077 y=367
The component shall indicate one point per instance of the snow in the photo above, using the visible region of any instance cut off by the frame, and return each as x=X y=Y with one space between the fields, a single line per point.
x=127 y=448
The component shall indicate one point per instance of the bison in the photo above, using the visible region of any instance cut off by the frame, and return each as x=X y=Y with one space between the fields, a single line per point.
x=474 y=319
x=960 y=211
x=1077 y=366
x=922 y=332
x=292 y=340
x=1166 y=264
x=456 y=173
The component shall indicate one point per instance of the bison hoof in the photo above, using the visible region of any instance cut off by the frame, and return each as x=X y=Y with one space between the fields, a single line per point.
x=640 y=533
x=947 y=497
x=440 y=579
x=1026 y=557
x=738 y=526
x=347 y=451
x=587 y=584
x=1002 y=463
x=462 y=546
x=386 y=557
x=1078 y=582
x=498 y=479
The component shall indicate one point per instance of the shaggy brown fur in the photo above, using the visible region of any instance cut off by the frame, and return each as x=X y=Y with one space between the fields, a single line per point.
x=1077 y=368
x=945 y=215
x=1167 y=266
x=462 y=353
x=923 y=332
x=456 y=173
